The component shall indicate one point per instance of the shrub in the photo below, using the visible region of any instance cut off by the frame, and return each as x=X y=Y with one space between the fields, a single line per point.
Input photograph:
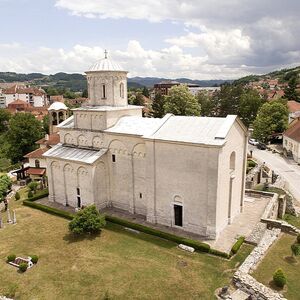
x=87 y=220
x=298 y=238
x=295 y=249
x=11 y=257
x=30 y=194
x=279 y=278
x=23 y=267
x=235 y=248
x=34 y=259
x=39 y=195
x=219 y=253
x=33 y=186
x=251 y=163
x=202 y=247
x=17 y=196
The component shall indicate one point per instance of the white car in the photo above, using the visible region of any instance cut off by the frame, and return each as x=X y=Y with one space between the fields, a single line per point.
x=253 y=142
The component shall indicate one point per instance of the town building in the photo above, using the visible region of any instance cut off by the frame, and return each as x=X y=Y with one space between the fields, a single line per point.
x=180 y=171
x=291 y=141
x=294 y=110
x=32 y=95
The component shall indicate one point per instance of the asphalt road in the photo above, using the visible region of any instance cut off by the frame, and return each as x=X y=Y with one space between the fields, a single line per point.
x=286 y=168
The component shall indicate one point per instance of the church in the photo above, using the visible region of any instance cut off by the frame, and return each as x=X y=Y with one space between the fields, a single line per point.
x=180 y=171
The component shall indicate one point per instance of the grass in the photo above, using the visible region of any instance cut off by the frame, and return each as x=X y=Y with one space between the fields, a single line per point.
x=279 y=256
x=117 y=264
x=295 y=221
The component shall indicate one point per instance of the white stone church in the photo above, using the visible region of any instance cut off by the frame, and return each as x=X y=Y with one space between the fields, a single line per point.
x=185 y=172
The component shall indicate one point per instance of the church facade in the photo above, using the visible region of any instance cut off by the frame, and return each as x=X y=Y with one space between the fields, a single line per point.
x=185 y=172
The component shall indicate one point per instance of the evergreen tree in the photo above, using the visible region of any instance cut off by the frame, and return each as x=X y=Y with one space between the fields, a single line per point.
x=158 y=106
x=206 y=103
x=290 y=91
x=145 y=92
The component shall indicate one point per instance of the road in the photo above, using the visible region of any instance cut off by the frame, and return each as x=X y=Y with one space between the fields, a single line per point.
x=286 y=168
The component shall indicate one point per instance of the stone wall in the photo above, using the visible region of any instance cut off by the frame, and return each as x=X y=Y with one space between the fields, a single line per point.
x=242 y=278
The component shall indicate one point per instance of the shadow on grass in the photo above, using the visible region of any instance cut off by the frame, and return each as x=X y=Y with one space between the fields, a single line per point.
x=276 y=288
x=140 y=235
x=73 y=238
x=291 y=260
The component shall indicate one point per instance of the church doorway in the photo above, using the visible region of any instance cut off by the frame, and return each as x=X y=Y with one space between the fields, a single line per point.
x=178 y=215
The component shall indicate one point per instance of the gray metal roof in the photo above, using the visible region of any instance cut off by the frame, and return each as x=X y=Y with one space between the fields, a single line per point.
x=74 y=154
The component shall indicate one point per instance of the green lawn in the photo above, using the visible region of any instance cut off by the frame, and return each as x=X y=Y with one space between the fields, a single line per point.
x=117 y=264
x=292 y=220
x=279 y=256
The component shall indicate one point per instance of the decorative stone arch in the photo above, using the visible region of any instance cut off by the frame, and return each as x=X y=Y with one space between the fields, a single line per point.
x=68 y=139
x=68 y=168
x=139 y=151
x=232 y=161
x=82 y=172
x=97 y=142
x=177 y=199
x=117 y=147
x=55 y=165
x=82 y=140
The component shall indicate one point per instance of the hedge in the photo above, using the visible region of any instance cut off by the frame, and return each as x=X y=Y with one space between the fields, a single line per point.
x=219 y=253
x=237 y=245
x=50 y=210
x=202 y=247
x=40 y=195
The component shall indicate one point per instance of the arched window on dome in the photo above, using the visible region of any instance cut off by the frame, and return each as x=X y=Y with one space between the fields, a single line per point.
x=103 y=91
x=122 y=90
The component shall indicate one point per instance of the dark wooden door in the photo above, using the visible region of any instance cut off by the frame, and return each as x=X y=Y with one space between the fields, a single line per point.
x=178 y=215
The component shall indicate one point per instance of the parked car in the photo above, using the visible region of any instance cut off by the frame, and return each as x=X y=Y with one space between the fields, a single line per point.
x=261 y=146
x=253 y=142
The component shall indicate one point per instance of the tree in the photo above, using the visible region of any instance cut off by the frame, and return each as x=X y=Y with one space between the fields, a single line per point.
x=24 y=130
x=5 y=186
x=158 y=106
x=290 y=91
x=145 y=92
x=138 y=99
x=181 y=102
x=4 y=118
x=206 y=104
x=33 y=186
x=249 y=104
x=272 y=117
x=46 y=124
x=87 y=220
x=84 y=93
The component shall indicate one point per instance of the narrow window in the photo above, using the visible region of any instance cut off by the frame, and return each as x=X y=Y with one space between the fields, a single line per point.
x=178 y=215
x=78 y=201
x=103 y=91
x=78 y=191
x=141 y=195
x=122 y=90
x=113 y=158
x=37 y=163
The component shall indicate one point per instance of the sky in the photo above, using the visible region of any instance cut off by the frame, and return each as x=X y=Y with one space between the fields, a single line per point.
x=197 y=39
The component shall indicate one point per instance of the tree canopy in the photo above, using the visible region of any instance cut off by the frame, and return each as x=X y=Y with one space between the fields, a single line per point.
x=158 y=106
x=272 y=118
x=24 y=130
x=181 y=102
x=290 y=91
x=4 y=118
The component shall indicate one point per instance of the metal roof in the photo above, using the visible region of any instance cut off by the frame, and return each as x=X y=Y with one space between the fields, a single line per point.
x=75 y=154
x=105 y=64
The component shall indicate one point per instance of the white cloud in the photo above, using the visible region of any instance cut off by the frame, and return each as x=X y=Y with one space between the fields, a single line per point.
x=171 y=62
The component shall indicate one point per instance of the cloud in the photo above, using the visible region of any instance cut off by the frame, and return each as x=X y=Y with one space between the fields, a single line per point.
x=235 y=32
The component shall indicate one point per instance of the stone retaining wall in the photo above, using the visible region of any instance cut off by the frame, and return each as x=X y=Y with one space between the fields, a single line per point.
x=283 y=225
x=242 y=278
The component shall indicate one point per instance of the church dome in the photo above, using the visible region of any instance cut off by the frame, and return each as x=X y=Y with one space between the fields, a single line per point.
x=105 y=64
x=58 y=106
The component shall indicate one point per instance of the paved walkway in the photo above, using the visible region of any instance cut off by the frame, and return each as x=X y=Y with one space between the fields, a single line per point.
x=45 y=201
x=286 y=168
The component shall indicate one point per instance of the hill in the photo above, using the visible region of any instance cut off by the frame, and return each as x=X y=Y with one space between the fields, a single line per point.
x=282 y=75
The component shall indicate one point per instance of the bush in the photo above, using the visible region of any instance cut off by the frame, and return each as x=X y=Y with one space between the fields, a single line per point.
x=202 y=247
x=33 y=186
x=11 y=257
x=39 y=195
x=219 y=253
x=17 y=196
x=279 y=278
x=251 y=164
x=87 y=220
x=295 y=249
x=50 y=210
x=298 y=238
x=30 y=194
x=34 y=259
x=235 y=248
x=23 y=267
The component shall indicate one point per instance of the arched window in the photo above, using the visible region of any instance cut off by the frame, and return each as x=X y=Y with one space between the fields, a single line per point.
x=60 y=117
x=232 y=161
x=54 y=118
x=37 y=163
x=122 y=90
x=103 y=91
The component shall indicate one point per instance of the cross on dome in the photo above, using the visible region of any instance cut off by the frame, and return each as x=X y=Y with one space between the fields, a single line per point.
x=105 y=54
